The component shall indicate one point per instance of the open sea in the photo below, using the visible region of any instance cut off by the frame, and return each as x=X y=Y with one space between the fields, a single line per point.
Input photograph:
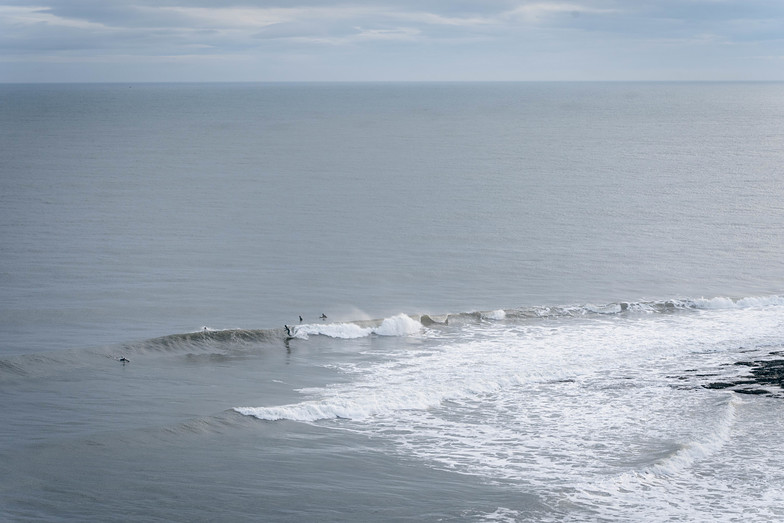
x=544 y=302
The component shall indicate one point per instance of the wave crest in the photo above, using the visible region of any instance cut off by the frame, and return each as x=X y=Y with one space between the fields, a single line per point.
x=400 y=325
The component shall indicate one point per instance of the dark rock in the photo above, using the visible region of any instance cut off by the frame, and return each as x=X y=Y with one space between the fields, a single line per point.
x=752 y=391
x=719 y=385
x=763 y=372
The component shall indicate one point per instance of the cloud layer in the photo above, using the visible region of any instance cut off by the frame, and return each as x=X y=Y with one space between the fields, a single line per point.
x=145 y=40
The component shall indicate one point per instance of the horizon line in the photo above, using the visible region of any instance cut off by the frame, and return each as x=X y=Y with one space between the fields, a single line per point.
x=70 y=82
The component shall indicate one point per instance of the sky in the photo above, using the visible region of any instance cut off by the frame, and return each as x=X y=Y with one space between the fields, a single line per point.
x=391 y=40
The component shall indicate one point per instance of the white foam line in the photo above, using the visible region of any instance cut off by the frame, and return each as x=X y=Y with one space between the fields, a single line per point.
x=698 y=450
x=742 y=303
x=400 y=325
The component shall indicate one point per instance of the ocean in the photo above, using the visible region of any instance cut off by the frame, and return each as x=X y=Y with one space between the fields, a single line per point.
x=392 y=302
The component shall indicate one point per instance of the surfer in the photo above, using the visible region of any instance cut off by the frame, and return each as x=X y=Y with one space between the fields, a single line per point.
x=124 y=360
x=323 y=316
x=288 y=330
x=300 y=318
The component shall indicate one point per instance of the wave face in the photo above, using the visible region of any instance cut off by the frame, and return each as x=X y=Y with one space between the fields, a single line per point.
x=604 y=407
x=208 y=340
x=205 y=341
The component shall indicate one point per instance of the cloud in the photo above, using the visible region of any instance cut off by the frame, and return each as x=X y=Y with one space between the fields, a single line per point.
x=26 y=16
x=222 y=17
x=538 y=11
x=371 y=34
x=429 y=18
x=397 y=34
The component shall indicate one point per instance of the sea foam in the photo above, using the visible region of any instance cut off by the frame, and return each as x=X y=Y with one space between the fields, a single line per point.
x=399 y=325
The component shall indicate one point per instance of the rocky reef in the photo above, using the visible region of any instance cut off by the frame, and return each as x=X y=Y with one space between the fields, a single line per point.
x=762 y=376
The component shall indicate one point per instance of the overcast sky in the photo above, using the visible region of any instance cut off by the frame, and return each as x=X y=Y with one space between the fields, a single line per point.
x=327 y=40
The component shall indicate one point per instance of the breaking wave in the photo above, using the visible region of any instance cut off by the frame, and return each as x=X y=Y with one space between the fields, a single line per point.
x=228 y=341
x=400 y=325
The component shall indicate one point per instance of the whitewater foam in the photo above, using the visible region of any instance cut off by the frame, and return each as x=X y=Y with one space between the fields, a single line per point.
x=399 y=325
x=497 y=315
x=587 y=407
x=741 y=303
x=500 y=356
x=703 y=447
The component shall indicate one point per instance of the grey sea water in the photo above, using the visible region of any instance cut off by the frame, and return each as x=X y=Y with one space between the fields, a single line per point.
x=533 y=295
